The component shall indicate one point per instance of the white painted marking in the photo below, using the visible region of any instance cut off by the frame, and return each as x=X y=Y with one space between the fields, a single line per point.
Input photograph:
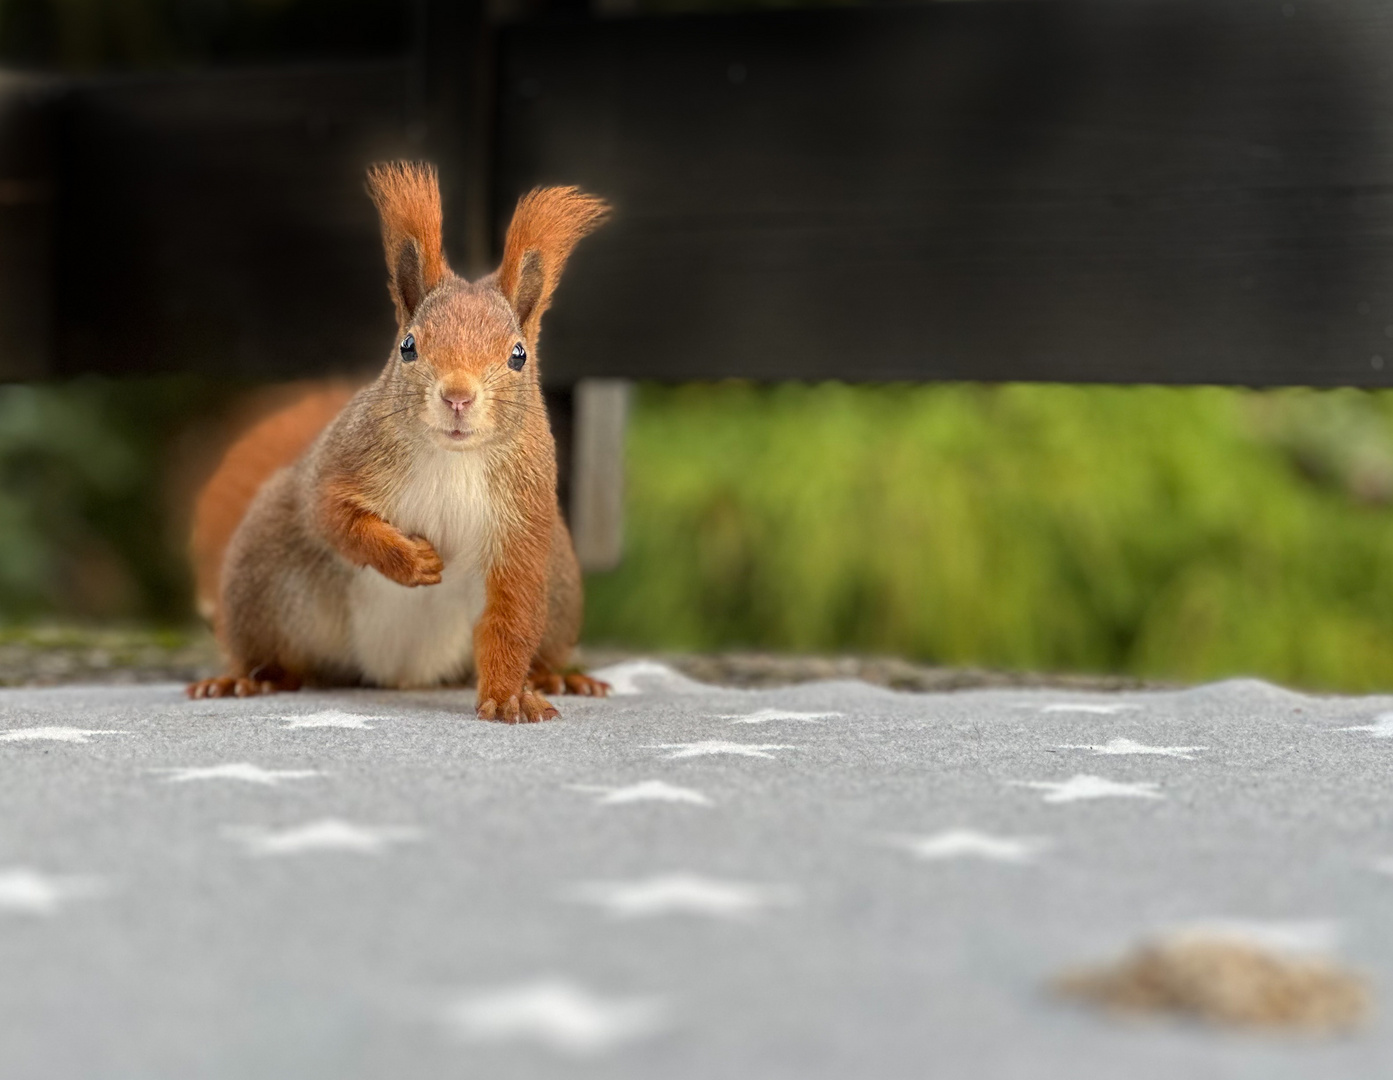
x=1090 y=708
x=242 y=771
x=767 y=716
x=31 y=892
x=645 y=677
x=1127 y=746
x=1091 y=787
x=560 y=1015
x=967 y=843
x=329 y=834
x=644 y=791
x=681 y=894
x=713 y=747
x=54 y=734
x=1381 y=728
x=331 y=718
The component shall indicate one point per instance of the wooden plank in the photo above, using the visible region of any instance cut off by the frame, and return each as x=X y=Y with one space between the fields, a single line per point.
x=1180 y=191
x=26 y=228
x=218 y=222
x=455 y=70
x=596 y=506
x=1188 y=191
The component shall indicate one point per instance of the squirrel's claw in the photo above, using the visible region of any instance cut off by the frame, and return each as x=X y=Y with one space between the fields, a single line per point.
x=548 y=681
x=576 y=683
x=529 y=708
x=535 y=707
x=264 y=679
x=206 y=688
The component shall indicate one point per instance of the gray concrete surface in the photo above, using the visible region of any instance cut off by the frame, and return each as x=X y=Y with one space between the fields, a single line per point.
x=370 y=884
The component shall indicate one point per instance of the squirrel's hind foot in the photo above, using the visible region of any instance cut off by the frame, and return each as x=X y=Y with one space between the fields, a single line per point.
x=265 y=679
x=529 y=708
x=547 y=681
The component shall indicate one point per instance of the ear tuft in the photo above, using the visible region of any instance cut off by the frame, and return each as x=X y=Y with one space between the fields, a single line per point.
x=546 y=226
x=407 y=197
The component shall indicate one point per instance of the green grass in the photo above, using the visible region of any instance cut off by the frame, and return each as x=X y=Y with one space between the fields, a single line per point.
x=1178 y=533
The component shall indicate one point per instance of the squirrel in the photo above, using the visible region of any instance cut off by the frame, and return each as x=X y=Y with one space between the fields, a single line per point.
x=408 y=534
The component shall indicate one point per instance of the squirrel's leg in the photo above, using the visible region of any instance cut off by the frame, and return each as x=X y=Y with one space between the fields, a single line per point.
x=366 y=539
x=263 y=679
x=551 y=672
x=506 y=639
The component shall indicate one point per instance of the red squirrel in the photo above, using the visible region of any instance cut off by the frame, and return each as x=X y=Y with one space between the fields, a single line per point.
x=408 y=534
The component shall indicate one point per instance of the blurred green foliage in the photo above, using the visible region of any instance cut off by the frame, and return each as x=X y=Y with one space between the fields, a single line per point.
x=1181 y=533
x=90 y=474
x=1186 y=533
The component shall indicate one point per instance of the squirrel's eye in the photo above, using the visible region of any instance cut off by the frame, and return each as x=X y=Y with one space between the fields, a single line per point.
x=408 y=348
x=518 y=357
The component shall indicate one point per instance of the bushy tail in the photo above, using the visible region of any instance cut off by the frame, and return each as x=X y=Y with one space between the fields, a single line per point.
x=298 y=414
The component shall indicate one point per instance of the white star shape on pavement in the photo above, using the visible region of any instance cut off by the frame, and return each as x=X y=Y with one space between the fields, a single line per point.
x=556 y=1013
x=966 y=843
x=33 y=893
x=644 y=791
x=244 y=771
x=1127 y=746
x=1091 y=708
x=712 y=747
x=330 y=718
x=1091 y=787
x=329 y=834
x=766 y=716
x=680 y=894
x=54 y=734
x=1381 y=728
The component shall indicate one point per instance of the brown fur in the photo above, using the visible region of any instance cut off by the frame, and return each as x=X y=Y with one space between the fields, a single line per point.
x=439 y=477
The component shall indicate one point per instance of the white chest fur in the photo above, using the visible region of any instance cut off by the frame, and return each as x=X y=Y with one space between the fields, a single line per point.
x=424 y=636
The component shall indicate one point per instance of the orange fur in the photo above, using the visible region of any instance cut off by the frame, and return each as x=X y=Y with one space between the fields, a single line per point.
x=271 y=444
x=407 y=197
x=513 y=622
x=546 y=226
x=364 y=539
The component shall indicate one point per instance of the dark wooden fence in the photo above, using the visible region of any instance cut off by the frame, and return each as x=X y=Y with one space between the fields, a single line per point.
x=1194 y=191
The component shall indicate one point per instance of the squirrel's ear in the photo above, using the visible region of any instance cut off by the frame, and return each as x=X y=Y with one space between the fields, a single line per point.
x=407 y=197
x=546 y=225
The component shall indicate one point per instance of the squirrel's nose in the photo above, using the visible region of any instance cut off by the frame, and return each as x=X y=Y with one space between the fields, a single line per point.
x=458 y=400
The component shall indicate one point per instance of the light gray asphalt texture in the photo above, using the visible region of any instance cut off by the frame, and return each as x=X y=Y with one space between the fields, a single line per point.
x=145 y=935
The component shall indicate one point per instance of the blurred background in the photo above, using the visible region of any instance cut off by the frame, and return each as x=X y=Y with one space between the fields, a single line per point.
x=1163 y=532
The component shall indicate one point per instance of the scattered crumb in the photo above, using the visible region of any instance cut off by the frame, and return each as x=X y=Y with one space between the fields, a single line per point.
x=1225 y=983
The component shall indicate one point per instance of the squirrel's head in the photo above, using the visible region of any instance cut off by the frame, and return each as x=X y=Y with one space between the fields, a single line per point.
x=464 y=366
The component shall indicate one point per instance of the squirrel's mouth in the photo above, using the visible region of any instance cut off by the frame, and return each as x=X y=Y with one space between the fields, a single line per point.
x=459 y=435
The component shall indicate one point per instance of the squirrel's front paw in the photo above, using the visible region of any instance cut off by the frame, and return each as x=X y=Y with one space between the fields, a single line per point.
x=412 y=562
x=525 y=708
